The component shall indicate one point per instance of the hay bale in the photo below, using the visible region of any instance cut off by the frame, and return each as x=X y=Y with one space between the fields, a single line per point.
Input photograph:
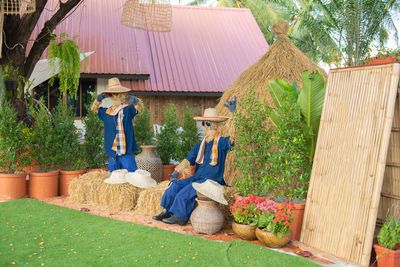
x=228 y=194
x=117 y=197
x=282 y=60
x=80 y=189
x=149 y=200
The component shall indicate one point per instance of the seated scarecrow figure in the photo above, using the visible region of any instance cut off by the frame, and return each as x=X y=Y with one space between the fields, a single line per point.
x=209 y=158
x=119 y=138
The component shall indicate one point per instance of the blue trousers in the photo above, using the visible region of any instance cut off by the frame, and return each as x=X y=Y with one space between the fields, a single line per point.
x=126 y=161
x=180 y=197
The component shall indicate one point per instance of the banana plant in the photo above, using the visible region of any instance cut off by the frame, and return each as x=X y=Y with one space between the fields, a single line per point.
x=310 y=101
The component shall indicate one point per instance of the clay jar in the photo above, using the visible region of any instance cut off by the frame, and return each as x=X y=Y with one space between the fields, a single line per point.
x=245 y=231
x=271 y=240
x=207 y=218
x=149 y=161
x=12 y=186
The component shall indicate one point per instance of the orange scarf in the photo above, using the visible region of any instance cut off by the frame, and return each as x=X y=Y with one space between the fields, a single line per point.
x=119 y=145
x=214 y=151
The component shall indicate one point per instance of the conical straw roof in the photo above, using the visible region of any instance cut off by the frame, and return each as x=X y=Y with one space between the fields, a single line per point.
x=282 y=60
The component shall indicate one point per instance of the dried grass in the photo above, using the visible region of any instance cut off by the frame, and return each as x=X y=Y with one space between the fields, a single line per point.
x=117 y=197
x=82 y=190
x=228 y=194
x=149 y=200
x=282 y=60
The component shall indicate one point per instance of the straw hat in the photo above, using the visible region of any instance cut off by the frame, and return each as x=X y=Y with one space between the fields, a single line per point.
x=211 y=114
x=114 y=86
x=212 y=190
x=117 y=177
x=140 y=178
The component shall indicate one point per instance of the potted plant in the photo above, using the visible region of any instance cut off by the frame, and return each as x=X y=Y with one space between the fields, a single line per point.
x=244 y=216
x=387 y=250
x=43 y=150
x=148 y=159
x=93 y=146
x=189 y=136
x=274 y=223
x=13 y=154
x=167 y=141
x=252 y=144
x=70 y=156
x=383 y=56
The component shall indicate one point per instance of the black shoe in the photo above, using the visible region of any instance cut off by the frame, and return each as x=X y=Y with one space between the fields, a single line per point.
x=164 y=214
x=174 y=220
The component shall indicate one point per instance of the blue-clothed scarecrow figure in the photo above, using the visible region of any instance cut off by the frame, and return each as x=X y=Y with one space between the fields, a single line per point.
x=209 y=158
x=119 y=137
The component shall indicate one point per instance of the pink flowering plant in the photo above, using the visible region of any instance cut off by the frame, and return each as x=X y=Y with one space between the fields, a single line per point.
x=274 y=217
x=244 y=209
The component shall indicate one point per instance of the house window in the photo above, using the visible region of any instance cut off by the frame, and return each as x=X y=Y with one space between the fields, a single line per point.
x=51 y=94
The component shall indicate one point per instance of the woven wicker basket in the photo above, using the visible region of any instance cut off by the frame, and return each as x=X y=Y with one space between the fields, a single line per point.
x=206 y=217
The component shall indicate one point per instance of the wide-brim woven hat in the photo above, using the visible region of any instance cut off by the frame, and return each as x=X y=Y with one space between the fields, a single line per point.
x=140 y=178
x=211 y=114
x=114 y=86
x=212 y=190
x=117 y=177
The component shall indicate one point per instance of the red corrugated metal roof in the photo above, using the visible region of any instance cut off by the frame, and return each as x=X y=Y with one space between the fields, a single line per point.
x=206 y=50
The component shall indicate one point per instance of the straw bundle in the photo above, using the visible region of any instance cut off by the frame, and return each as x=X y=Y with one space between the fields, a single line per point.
x=83 y=190
x=148 y=202
x=148 y=15
x=282 y=60
x=228 y=194
x=117 y=197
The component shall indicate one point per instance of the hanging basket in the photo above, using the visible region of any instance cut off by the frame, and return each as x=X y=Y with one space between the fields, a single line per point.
x=147 y=15
x=18 y=7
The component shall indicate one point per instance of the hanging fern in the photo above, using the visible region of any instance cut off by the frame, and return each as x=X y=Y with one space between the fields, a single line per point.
x=65 y=54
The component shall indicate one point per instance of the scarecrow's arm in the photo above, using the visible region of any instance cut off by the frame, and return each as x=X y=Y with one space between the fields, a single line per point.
x=231 y=105
x=96 y=104
x=184 y=168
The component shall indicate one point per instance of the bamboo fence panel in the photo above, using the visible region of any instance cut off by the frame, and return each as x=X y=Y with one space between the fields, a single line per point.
x=390 y=195
x=350 y=161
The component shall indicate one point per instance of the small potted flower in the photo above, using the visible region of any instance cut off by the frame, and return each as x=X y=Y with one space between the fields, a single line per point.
x=384 y=56
x=274 y=223
x=387 y=250
x=244 y=216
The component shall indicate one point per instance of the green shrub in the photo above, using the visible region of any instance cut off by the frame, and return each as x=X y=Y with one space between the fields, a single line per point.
x=14 y=140
x=44 y=146
x=389 y=235
x=93 y=145
x=167 y=139
x=70 y=155
x=143 y=129
x=252 y=146
x=189 y=136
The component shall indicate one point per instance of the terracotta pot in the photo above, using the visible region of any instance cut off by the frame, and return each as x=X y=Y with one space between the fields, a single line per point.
x=245 y=231
x=385 y=60
x=387 y=257
x=206 y=218
x=43 y=184
x=167 y=169
x=65 y=178
x=271 y=240
x=298 y=213
x=148 y=160
x=12 y=186
x=98 y=170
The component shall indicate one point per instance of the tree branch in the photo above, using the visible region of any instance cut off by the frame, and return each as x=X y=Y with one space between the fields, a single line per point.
x=43 y=39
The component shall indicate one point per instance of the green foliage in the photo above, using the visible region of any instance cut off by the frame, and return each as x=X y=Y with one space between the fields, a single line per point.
x=94 y=141
x=167 y=139
x=44 y=140
x=389 y=235
x=65 y=55
x=252 y=147
x=289 y=164
x=69 y=156
x=189 y=136
x=310 y=101
x=14 y=140
x=143 y=129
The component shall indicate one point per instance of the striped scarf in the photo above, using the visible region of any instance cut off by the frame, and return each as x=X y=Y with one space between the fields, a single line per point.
x=119 y=145
x=214 y=152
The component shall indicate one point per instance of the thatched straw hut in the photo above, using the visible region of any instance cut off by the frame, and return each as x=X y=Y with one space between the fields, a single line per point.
x=282 y=60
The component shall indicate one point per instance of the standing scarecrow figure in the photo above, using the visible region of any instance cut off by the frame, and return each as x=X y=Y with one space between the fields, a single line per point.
x=119 y=138
x=209 y=158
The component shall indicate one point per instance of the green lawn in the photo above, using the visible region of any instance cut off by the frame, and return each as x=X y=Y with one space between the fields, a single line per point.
x=41 y=234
